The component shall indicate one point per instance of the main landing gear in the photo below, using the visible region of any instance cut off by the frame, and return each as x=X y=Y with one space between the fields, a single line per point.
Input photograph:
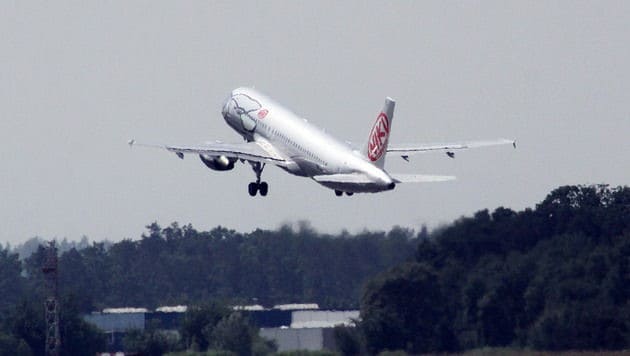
x=340 y=193
x=255 y=187
x=258 y=186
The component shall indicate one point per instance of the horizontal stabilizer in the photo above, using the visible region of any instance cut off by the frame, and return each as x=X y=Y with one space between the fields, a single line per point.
x=420 y=178
x=354 y=178
x=426 y=147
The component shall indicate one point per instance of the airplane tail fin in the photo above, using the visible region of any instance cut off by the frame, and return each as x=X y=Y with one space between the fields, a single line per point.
x=376 y=145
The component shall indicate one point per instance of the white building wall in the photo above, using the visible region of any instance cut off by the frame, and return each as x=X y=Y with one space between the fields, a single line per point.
x=116 y=321
x=322 y=318
x=295 y=339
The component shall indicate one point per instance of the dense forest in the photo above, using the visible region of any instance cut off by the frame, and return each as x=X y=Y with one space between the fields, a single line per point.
x=556 y=277
x=180 y=265
x=552 y=277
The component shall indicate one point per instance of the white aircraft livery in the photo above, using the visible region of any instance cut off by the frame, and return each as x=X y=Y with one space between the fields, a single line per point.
x=274 y=134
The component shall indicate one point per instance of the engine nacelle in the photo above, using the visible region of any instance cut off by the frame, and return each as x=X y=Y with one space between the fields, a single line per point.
x=218 y=163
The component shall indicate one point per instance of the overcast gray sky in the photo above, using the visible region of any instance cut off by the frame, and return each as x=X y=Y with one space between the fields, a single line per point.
x=77 y=80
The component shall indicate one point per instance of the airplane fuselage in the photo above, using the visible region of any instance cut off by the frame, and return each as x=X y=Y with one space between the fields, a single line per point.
x=308 y=151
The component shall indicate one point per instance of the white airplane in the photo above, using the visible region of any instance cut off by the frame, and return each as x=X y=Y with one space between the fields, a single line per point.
x=275 y=135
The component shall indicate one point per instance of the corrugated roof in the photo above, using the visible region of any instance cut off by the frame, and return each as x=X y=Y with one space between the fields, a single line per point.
x=172 y=309
x=296 y=306
x=124 y=310
x=254 y=307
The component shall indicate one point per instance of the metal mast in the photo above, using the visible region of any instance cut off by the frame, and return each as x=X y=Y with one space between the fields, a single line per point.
x=53 y=341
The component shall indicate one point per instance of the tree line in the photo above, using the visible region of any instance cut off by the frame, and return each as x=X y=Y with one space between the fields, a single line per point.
x=556 y=277
x=181 y=265
x=552 y=277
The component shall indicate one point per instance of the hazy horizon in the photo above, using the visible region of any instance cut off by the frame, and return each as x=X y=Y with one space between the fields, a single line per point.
x=79 y=81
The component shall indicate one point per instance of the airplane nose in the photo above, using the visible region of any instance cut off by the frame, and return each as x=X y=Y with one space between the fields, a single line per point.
x=226 y=106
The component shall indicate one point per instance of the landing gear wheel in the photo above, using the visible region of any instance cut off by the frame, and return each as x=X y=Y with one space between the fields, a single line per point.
x=252 y=188
x=338 y=193
x=349 y=194
x=263 y=188
x=258 y=186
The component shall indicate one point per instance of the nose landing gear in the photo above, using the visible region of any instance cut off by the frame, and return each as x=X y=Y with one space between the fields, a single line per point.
x=258 y=186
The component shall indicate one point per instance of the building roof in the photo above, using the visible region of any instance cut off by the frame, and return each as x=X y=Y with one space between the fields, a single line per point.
x=296 y=306
x=172 y=309
x=124 y=310
x=255 y=307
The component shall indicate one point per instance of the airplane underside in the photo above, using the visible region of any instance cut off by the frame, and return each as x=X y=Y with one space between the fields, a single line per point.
x=340 y=183
x=355 y=187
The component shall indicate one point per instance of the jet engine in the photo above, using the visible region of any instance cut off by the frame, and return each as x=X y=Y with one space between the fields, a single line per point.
x=218 y=163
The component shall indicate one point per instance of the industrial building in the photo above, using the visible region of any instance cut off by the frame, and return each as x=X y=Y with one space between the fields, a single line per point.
x=291 y=326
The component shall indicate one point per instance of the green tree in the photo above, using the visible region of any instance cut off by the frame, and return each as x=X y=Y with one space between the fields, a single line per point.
x=78 y=337
x=199 y=322
x=151 y=341
x=26 y=323
x=404 y=309
x=10 y=346
x=348 y=340
x=234 y=333
x=11 y=281
x=74 y=280
x=554 y=277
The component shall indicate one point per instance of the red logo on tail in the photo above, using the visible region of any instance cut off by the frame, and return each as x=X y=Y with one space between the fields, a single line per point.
x=378 y=137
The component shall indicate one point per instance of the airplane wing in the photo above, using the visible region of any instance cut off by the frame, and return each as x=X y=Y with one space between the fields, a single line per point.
x=406 y=150
x=250 y=151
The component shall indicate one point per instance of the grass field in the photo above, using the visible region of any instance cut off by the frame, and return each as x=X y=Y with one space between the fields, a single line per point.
x=516 y=352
